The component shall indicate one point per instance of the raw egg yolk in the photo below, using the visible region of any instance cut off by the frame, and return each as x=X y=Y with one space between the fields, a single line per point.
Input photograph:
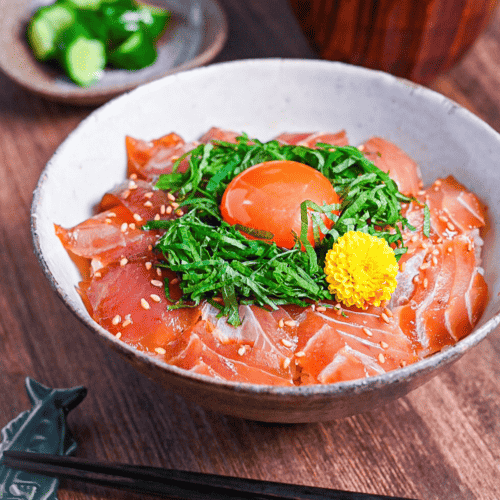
x=267 y=197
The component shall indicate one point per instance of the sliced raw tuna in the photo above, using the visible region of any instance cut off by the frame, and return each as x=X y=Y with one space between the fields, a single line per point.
x=265 y=339
x=142 y=200
x=449 y=296
x=147 y=160
x=107 y=237
x=372 y=338
x=310 y=139
x=218 y=134
x=129 y=300
x=199 y=349
x=389 y=158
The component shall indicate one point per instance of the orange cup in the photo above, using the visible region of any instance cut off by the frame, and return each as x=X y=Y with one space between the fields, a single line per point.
x=414 y=39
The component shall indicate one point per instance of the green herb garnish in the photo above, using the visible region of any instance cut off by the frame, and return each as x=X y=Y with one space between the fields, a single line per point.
x=214 y=259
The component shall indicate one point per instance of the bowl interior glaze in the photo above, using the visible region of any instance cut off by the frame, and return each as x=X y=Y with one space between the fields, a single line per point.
x=264 y=98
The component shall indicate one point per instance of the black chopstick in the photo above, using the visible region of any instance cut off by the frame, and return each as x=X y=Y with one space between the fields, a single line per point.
x=172 y=483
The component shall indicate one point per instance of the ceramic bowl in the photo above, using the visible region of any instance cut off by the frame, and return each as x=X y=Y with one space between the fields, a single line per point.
x=264 y=98
x=196 y=33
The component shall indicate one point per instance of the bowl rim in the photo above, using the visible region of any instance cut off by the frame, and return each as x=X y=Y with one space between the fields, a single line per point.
x=403 y=374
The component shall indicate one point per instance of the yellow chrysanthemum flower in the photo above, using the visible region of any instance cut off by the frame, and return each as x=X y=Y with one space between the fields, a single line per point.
x=361 y=269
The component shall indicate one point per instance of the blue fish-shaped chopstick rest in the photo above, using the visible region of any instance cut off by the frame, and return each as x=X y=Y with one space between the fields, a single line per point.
x=42 y=429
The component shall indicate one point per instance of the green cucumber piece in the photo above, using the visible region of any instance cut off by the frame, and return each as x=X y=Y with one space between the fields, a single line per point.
x=137 y=52
x=121 y=24
x=45 y=27
x=83 y=57
x=84 y=4
x=155 y=18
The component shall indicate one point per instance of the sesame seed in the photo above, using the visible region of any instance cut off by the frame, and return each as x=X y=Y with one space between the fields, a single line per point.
x=157 y=217
x=367 y=332
x=133 y=176
x=148 y=265
x=286 y=363
x=174 y=281
x=281 y=323
x=171 y=197
x=403 y=267
x=424 y=266
x=450 y=226
x=435 y=252
x=160 y=350
x=132 y=185
x=300 y=354
x=174 y=205
x=123 y=227
x=126 y=323
x=362 y=147
x=381 y=358
x=416 y=279
x=321 y=309
x=436 y=188
x=162 y=209
x=107 y=220
x=421 y=192
x=438 y=182
x=469 y=245
x=148 y=195
x=150 y=247
x=434 y=260
x=402 y=364
x=125 y=194
x=414 y=238
x=443 y=218
x=449 y=250
x=118 y=335
x=313 y=307
x=388 y=312
x=131 y=226
x=148 y=204
x=155 y=298
x=426 y=282
x=291 y=322
x=179 y=212
x=338 y=311
x=425 y=246
x=286 y=343
x=384 y=345
x=117 y=319
x=157 y=283
x=168 y=210
x=145 y=304
x=123 y=261
x=241 y=350
x=385 y=318
x=137 y=217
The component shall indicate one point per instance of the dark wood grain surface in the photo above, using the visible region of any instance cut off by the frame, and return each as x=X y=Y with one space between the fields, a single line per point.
x=440 y=442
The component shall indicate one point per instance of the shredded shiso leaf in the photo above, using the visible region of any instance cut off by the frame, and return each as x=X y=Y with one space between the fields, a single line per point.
x=213 y=259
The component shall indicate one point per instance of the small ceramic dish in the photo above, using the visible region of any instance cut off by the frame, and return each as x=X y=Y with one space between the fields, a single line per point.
x=195 y=35
x=264 y=98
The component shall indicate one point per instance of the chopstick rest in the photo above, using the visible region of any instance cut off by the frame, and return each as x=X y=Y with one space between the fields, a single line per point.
x=174 y=483
x=42 y=429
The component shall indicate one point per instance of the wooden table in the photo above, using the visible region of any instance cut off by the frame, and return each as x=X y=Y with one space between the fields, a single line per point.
x=440 y=442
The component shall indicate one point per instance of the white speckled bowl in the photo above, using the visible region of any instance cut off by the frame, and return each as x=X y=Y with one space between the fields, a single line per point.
x=263 y=98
